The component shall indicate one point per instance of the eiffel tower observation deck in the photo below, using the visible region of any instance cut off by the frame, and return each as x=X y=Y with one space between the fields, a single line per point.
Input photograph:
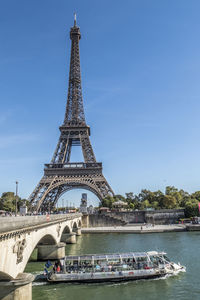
x=61 y=175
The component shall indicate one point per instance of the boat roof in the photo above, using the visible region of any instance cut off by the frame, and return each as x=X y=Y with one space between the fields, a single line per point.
x=112 y=256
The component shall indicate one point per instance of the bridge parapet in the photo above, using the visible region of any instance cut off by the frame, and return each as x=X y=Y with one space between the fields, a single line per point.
x=8 y=224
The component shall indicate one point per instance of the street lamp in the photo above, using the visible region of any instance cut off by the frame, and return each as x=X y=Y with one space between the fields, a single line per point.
x=16 y=196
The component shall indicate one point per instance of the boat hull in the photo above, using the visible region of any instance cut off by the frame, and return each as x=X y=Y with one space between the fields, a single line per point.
x=97 y=278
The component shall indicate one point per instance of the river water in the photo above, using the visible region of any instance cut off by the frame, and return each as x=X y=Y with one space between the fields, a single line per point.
x=183 y=247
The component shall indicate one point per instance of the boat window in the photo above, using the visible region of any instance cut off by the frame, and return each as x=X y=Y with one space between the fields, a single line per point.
x=112 y=262
x=141 y=259
x=166 y=258
x=106 y=256
x=154 y=258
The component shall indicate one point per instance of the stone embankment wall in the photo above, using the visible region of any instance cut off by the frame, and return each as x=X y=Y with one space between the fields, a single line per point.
x=193 y=227
x=98 y=220
x=164 y=216
x=168 y=216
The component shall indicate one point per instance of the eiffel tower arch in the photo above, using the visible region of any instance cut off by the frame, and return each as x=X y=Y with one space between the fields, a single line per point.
x=61 y=175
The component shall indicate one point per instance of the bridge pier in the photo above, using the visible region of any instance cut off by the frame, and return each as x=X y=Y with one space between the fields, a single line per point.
x=78 y=231
x=17 y=289
x=85 y=220
x=46 y=252
x=69 y=238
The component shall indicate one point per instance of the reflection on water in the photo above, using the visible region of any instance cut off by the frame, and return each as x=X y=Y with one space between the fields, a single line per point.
x=183 y=247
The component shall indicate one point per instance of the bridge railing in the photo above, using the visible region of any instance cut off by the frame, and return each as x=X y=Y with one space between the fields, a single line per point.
x=12 y=223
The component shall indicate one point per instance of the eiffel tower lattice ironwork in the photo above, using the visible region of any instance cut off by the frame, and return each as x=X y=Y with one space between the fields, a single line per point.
x=61 y=175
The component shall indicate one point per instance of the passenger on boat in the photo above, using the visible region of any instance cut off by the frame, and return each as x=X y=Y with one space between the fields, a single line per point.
x=58 y=269
x=98 y=267
x=54 y=268
x=62 y=264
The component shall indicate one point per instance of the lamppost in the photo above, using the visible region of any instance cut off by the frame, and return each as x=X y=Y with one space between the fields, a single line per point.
x=16 y=196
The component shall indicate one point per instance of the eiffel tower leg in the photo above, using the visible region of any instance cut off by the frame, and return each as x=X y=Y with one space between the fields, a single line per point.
x=103 y=187
x=49 y=202
x=41 y=192
x=63 y=151
x=56 y=152
x=68 y=154
x=88 y=153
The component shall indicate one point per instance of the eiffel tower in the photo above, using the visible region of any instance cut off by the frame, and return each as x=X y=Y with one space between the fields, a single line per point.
x=61 y=175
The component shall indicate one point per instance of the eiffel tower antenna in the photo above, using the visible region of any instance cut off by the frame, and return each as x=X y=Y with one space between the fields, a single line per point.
x=61 y=175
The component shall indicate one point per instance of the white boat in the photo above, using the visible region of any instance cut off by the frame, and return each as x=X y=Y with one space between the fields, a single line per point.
x=113 y=267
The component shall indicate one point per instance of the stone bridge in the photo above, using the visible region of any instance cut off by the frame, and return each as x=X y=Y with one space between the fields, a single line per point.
x=19 y=236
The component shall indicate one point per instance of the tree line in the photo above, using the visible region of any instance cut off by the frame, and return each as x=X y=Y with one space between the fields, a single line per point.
x=8 y=202
x=172 y=198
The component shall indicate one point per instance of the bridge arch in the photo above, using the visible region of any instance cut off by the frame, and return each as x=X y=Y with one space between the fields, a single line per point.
x=58 y=188
x=5 y=277
x=47 y=239
x=40 y=239
x=66 y=229
x=74 y=227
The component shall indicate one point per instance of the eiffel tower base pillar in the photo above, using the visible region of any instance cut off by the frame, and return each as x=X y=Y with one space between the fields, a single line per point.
x=51 y=251
x=17 y=289
x=69 y=238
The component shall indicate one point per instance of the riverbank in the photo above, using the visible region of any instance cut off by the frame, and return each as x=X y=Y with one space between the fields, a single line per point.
x=136 y=229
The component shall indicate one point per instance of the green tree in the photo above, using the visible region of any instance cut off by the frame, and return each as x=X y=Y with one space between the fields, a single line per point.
x=145 y=204
x=196 y=195
x=175 y=193
x=170 y=202
x=131 y=206
x=130 y=200
x=191 y=208
x=8 y=202
x=119 y=197
x=129 y=196
x=107 y=202
x=155 y=204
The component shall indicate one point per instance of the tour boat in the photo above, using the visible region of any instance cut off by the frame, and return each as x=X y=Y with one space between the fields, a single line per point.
x=113 y=267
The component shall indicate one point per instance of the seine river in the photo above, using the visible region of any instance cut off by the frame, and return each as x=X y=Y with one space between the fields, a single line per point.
x=181 y=247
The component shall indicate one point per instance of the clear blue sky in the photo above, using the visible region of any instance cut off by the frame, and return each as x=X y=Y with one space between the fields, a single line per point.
x=140 y=63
